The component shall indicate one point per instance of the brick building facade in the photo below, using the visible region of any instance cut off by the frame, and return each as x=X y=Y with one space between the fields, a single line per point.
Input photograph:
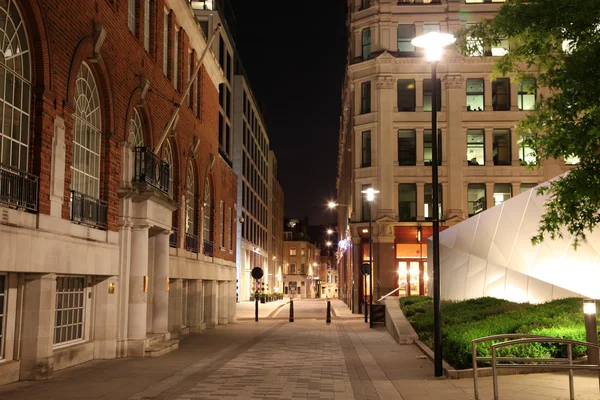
x=114 y=237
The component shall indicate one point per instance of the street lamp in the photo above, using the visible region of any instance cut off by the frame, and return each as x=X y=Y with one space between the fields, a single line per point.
x=370 y=192
x=329 y=231
x=328 y=244
x=434 y=43
x=591 y=329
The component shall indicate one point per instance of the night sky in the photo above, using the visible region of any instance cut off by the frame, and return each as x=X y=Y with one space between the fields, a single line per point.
x=294 y=58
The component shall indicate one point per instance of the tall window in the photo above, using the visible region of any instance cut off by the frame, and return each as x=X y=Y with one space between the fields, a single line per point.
x=131 y=16
x=428 y=201
x=365 y=204
x=406 y=33
x=475 y=95
x=428 y=146
x=147 y=16
x=526 y=154
x=366 y=43
x=406 y=95
x=176 y=60
x=407 y=202
x=190 y=69
x=190 y=201
x=166 y=44
x=500 y=49
x=365 y=97
x=475 y=45
x=364 y=4
x=69 y=311
x=501 y=146
x=502 y=192
x=168 y=158
x=85 y=169
x=231 y=229
x=428 y=95
x=501 y=94
x=207 y=212
x=136 y=133
x=366 y=149
x=222 y=222
x=476 y=198
x=407 y=147
x=292 y=251
x=526 y=94
x=475 y=147
x=15 y=89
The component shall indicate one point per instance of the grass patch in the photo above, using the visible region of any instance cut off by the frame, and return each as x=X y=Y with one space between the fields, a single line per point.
x=470 y=319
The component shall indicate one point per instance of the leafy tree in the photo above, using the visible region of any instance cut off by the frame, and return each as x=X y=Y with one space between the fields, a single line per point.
x=560 y=40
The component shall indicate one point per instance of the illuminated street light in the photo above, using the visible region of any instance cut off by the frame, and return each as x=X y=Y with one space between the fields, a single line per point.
x=328 y=244
x=329 y=231
x=434 y=43
x=370 y=192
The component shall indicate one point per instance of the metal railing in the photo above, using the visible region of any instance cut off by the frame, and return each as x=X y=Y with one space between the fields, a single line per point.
x=150 y=169
x=89 y=211
x=547 y=363
x=174 y=238
x=191 y=242
x=389 y=294
x=208 y=248
x=18 y=189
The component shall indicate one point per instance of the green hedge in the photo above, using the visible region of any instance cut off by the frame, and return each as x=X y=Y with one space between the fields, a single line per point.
x=470 y=319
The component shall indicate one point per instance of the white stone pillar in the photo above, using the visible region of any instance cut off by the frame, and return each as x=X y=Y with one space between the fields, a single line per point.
x=138 y=298
x=455 y=140
x=223 y=303
x=231 y=315
x=385 y=136
x=211 y=304
x=105 y=319
x=160 y=296
x=175 y=304
x=37 y=336
x=195 y=306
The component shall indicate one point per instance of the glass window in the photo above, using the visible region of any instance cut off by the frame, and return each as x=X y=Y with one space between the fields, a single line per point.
x=222 y=222
x=136 y=133
x=366 y=43
x=292 y=251
x=406 y=95
x=365 y=97
x=526 y=94
x=428 y=95
x=472 y=42
x=407 y=147
x=476 y=198
x=501 y=146
x=406 y=33
x=69 y=310
x=500 y=49
x=168 y=158
x=190 y=201
x=166 y=44
x=428 y=201
x=85 y=169
x=231 y=229
x=366 y=149
x=475 y=147
x=131 y=16
x=501 y=94
x=526 y=154
x=147 y=13
x=526 y=186
x=207 y=212
x=430 y=28
x=407 y=202
x=176 y=60
x=364 y=4
x=365 y=204
x=502 y=192
x=428 y=145
x=15 y=88
x=572 y=160
x=475 y=95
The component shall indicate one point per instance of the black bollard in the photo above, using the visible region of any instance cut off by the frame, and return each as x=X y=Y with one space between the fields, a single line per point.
x=366 y=311
x=328 y=312
x=256 y=308
x=291 y=310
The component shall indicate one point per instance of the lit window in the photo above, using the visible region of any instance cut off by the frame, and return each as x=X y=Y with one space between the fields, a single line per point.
x=526 y=154
x=502 y=192
x=475 y=95
x=428 y=201
x=475 y=147
x=572 y=160
x=476 y=198
x=136 y=134
x=69 y=312
x=501 y=48
x=526 y=94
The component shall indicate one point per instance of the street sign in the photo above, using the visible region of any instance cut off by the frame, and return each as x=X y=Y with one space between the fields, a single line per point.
x=365 y=269
x=257 y=273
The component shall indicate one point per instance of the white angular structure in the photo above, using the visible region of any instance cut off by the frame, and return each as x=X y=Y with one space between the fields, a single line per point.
x=490 y=254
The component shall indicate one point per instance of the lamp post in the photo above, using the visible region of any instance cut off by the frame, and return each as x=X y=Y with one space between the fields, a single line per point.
x=591 y=329
x=332 y=205
x=370 y=192
x=433 y=43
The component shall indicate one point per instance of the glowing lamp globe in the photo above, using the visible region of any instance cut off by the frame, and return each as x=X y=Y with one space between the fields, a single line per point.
x=433 y=43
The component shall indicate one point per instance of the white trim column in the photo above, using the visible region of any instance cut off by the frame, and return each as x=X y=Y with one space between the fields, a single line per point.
x=223 y=303
x=211 y=305
x=160 y=296
x=195 y=306
x=138 y=297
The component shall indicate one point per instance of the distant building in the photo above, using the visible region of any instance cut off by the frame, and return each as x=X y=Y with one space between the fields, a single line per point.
x=328 y=277
x=301 y=261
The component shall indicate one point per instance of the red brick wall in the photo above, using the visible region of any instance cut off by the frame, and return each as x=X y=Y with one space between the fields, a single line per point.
x=60 y=34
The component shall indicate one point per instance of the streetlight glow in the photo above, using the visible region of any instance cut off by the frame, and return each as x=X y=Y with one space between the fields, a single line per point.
x=329 y=231
x=433 y=43
x=370 y=192
x=328 y=244
x=332 y=204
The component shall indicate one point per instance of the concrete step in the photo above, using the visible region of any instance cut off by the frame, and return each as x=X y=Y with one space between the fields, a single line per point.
x=158 y=349
x=153 y=338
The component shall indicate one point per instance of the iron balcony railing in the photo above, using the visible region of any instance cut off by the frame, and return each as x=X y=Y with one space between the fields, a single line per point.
x=208 y=248
x=18 y=189
x=191 y=242
x=173 y=242
x=89 y=211
x=150 y=169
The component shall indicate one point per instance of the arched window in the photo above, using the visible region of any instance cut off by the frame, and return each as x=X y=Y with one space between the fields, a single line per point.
x=136 y=132
x=87 y=125
x=190 y=215
x=207 y=212
x=168 y=158
x=15 y=78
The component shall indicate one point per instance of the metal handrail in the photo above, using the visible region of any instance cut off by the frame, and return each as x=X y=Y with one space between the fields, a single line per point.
x=538 y=339
x=18 y=189
x=390 y=293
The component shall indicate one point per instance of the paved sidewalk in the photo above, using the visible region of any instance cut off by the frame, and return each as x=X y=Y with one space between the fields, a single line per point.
x=245 y=310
